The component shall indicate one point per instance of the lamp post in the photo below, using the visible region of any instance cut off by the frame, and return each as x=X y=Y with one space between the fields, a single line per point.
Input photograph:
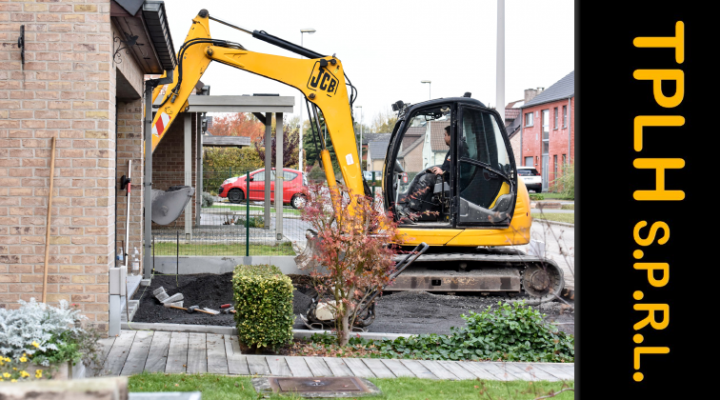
x=300 y=152
x=429 y=88
x=361 y=134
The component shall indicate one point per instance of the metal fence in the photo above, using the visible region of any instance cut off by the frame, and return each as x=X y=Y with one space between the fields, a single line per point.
x=234 y=229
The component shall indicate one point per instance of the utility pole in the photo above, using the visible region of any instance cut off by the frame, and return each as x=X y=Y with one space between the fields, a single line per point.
x=500 y=65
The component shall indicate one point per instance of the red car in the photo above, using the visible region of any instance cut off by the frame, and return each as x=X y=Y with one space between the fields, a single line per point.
x=235 y=188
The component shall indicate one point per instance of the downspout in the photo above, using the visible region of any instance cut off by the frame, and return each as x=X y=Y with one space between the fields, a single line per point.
x=569 y=131
x=522 y=158
x=150 y=84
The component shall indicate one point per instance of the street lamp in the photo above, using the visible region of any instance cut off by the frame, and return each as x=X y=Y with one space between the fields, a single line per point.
x=429 y=88
x=300 y=152
x=361 y=133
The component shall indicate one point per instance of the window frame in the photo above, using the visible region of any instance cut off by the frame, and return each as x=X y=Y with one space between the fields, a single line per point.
x=556 y=119
x=531 y=118
x=564 y=116
x=555 y=166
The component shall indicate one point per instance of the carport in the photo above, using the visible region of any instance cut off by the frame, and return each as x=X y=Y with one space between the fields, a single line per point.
x=263 y=107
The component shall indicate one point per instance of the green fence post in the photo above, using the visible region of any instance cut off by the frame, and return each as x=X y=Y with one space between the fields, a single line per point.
x=247 y=214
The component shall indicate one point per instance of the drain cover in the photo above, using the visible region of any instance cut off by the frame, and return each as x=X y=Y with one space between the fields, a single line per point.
x=317 y=386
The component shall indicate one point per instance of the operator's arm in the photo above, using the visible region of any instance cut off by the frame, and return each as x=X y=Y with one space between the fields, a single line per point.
x=320 y=80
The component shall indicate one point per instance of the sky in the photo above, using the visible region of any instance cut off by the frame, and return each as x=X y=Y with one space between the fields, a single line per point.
x=388 y=47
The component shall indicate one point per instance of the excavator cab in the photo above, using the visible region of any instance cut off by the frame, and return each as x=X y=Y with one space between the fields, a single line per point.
x=467 y=141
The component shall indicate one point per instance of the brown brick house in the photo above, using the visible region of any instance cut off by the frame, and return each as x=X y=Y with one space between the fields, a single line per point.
x=81 y=82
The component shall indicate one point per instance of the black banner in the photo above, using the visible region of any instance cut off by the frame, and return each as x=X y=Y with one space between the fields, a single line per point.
x=646 y=214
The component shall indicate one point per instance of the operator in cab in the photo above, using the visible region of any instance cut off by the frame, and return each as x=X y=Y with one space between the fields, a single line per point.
x=422 y=191
x=445 y=168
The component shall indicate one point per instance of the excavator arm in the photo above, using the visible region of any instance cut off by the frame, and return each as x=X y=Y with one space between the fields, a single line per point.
x=321 y=81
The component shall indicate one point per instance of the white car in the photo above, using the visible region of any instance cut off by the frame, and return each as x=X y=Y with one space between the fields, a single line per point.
x=531 y=177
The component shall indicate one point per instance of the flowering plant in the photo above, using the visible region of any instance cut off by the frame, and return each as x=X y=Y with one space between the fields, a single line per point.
x=37 y=333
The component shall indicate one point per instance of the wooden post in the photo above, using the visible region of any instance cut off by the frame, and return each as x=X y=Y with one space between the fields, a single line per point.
x=49 y=214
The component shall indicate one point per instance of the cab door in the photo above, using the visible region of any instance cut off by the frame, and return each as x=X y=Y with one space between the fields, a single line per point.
x=486 y=181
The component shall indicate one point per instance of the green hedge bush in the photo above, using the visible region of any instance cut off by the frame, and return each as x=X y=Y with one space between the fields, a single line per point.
x=263 y=303
x=536 y=196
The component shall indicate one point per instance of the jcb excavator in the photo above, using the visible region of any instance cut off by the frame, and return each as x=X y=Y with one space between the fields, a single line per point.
x=473 y=214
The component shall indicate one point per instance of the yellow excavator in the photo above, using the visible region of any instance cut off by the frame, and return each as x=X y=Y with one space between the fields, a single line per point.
x=472 y=216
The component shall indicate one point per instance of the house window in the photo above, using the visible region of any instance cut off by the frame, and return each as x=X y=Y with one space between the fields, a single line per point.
x=556 y=117
x=555 y=166
x=536 y=160
x=529 y=119
x=528 y=162
x=564 y=158
x=564 y=117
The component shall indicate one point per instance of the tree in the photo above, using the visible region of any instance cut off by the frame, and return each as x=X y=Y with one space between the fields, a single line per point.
x=312 y=146
x=355 y=245
x=290 y=146
x=238 y=124
x=222 y=163
x=384 y=122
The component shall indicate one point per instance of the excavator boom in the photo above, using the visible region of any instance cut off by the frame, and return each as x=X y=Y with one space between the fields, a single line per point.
x=321 y=81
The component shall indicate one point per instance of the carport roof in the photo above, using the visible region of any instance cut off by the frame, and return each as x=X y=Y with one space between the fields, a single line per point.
x=235 y=104
x=225 y=141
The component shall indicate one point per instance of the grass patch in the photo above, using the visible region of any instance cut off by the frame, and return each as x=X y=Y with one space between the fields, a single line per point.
x=220 y=387
x=556 y=196
x=170 y=249
x=256 y=208
x=567 y=206
x=568 y=218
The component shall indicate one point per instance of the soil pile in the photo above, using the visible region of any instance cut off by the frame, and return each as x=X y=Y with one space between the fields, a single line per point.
x=203 y=290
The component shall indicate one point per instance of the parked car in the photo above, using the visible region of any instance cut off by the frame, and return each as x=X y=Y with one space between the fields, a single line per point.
x=234 y=189
x=531 y=177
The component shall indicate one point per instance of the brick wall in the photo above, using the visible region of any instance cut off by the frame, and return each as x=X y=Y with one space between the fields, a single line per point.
x=130 y=146
x=169 y=162
x=532 y=136
x=414 y=159
x=63 y=92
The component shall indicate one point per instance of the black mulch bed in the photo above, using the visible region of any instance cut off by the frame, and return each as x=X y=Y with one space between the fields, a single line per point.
x=399 y=312
x=203 y=290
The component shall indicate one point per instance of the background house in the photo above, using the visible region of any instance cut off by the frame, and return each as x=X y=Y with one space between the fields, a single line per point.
x=435 y=147
x=376 y=154
x=371 y=137
x=547 y=131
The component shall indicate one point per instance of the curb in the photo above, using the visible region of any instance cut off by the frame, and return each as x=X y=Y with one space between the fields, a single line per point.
x=228 y=330
x=554 y=222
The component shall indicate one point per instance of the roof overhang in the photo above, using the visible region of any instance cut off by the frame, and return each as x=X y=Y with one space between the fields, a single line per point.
x=154 y=49
x=235 y=104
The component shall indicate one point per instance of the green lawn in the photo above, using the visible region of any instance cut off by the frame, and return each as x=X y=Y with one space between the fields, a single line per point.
x=555 y=196
x=257 y=208
x=169 y=249
x=559 y=217
x=221 y=387
x=568 y=206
